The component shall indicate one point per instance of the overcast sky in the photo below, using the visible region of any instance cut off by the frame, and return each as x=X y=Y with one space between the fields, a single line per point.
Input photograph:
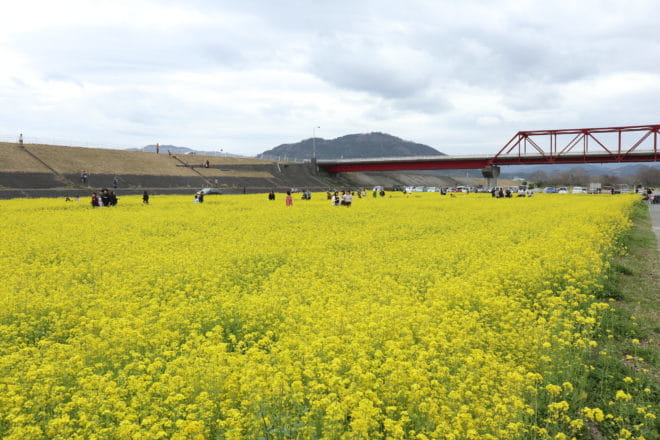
x=248 y=75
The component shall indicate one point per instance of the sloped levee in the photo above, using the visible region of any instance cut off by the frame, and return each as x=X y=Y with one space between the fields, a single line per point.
x=29 y=180
x=33 y=170
x=402 y=179
x=232 y=179
x=139 y=181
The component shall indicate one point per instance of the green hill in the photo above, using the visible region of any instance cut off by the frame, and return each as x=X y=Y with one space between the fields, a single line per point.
x=351 y=146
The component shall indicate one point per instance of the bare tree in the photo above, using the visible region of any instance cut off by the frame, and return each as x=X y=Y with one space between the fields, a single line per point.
x=538 y=177
x=648 y=176
x=610 y=180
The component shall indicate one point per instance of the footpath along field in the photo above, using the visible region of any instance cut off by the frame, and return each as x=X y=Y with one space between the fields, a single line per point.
x=424 y=317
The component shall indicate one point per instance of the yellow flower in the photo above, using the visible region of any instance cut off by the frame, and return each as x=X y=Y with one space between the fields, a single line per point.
x=624 y=433
x=622 y=395
x=240 y=319
x=553 y=390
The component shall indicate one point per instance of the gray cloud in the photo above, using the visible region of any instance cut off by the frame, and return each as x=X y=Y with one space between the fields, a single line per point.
x=375 y=67
x=466 y=75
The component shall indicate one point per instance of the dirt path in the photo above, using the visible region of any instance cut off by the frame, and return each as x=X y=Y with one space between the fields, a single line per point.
x=655 y=219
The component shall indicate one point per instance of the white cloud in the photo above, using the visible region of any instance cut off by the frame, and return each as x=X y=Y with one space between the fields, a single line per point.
x=462 y=77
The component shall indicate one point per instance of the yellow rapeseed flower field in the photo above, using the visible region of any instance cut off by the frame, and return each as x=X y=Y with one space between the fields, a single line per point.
x=419 y=317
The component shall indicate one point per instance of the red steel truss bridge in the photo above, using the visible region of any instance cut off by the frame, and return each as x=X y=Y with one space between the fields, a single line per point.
x=638 y=143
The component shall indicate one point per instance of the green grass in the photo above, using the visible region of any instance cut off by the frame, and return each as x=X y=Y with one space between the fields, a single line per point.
x=628 y=338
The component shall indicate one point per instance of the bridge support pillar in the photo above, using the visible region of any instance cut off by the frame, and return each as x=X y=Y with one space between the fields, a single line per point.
x=491 y=173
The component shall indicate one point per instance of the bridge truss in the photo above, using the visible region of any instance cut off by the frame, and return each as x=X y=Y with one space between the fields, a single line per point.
x=583 y=145
x=638 y=143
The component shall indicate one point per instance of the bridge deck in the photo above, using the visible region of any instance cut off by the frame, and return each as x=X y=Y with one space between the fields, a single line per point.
x=473 y=162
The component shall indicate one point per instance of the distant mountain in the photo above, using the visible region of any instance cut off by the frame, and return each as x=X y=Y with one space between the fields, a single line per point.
x=351 y=146
x=181 y=150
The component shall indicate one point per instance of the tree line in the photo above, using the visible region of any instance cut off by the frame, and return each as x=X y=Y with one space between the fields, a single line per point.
x=646 y=176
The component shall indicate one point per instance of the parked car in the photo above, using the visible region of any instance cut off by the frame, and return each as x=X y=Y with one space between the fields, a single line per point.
x=562 y=190
x=549 y=190
x=579 y=190
x=207 y=191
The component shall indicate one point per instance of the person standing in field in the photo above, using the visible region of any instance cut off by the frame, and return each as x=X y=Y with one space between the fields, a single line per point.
x=105 y=197
x=157 y=148
x=336 y=200
x=95 y=200
x=289 y=199
x=145 y=197
x=347 y=199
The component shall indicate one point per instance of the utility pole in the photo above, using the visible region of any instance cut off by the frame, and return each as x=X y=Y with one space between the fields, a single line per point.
x=316 y=168
x=314 y=142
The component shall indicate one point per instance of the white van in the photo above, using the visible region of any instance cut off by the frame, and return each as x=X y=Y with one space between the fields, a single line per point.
x=579 y=190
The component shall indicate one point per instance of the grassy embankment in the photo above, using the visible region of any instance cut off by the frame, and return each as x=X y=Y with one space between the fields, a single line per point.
x=627 y=358
x=72 y=160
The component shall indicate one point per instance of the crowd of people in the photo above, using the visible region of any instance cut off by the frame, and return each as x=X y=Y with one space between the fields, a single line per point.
x=500 y=192
x=107 y=198
x=345 y=198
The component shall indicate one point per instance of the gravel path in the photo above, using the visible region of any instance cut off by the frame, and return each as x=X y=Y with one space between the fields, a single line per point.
x=655 y=218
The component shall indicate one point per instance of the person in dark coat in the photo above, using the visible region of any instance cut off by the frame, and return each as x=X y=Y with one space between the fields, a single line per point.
x=145 y=197
x=95 y=200
x=113 y=198
x=105 y=197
